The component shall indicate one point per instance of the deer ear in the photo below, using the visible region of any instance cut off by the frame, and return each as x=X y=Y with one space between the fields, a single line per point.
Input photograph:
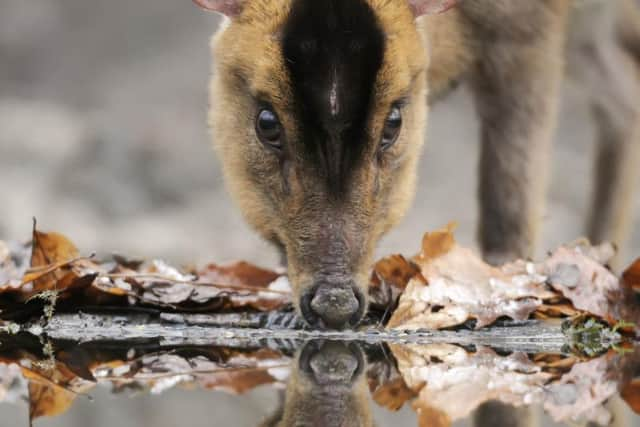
x=230 y=8
x=427 y=7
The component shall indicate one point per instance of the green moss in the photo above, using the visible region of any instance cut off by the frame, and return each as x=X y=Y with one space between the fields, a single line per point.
x=50 y=298
x=590 y=337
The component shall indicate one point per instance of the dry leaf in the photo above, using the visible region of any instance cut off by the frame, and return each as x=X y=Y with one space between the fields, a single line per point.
x=445 y=285
x=55 y=266
x=259 y=288
x=50 y=249
x=631 y=276
x=460 y=286
x=389 y=279
x=582 y=279
x=437 y=243
x=456 y=285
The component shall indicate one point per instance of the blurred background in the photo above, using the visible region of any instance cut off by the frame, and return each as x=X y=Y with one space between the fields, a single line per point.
x=103 y=137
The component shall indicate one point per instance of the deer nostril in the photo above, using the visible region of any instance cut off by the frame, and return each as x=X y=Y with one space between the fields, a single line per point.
x=337 y=307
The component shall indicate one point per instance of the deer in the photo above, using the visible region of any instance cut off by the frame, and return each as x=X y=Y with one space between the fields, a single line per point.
x=319 y=110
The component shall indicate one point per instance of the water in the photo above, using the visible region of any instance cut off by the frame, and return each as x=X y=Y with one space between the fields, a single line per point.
x=103 y=370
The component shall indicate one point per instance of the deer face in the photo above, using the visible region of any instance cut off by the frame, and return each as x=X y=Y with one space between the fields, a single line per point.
x=318 y=113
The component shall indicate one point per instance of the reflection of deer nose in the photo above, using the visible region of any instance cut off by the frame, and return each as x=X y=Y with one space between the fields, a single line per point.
x=331 y=363
x=337 y=307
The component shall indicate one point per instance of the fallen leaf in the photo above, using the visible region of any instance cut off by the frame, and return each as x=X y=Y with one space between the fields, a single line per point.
x=437 y=243
x=50 y=255
x=631 y=276
x=588 y=284
x=460 y=286
x=456 y=286
x=389 y=279
x=254 y=287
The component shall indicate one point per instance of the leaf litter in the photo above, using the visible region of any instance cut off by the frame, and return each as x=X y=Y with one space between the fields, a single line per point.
x=445 y=286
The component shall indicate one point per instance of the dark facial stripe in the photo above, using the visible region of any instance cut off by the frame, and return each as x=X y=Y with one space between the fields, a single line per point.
x=333 y=50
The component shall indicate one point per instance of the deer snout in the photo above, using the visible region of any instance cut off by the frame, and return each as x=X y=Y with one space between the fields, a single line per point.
x=328 y=305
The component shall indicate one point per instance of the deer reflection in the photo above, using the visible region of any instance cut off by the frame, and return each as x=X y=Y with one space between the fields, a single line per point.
x=327 y=387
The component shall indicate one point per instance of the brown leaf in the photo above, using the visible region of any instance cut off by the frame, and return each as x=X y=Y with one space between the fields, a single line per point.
x=389 y=279
x=251 y=286
x=50 y=250
x=460 y=286
x=631 y=277
x=238 y=274
x=437 y=243
x=396 y=271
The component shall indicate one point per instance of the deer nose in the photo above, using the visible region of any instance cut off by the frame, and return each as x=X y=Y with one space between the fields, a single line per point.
x=335 y=307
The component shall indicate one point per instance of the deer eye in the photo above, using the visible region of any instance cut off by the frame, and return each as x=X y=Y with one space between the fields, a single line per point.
x=269 y=128
x=392 y=126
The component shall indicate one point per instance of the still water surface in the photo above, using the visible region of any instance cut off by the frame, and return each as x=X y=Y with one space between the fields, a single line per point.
x=216 y=377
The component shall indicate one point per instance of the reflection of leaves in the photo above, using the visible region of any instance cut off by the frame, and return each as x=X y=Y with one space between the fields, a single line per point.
x=387 y=386
x=393 y=395
x=451 y=382
x=430 y=417
x=631 y=394
x=53 y=387
x=55 y=380
x=47 y=400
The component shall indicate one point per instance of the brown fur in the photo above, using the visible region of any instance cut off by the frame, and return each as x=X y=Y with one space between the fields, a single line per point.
x=318 y=235
x=511 y=52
